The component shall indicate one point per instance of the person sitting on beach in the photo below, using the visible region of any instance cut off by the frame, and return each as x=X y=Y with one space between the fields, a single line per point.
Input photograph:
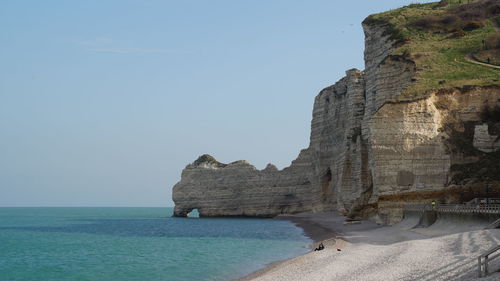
x=320 y=247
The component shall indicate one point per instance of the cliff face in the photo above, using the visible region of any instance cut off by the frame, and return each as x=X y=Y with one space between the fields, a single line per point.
x=370 y=150
x=415 y=146
x=239 y=189
x=308 y=184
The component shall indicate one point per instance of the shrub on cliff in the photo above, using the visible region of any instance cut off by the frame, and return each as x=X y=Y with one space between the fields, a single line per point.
x=389 y=29
x=433 y=34
x=492 y=42
x=466 y=16
x=208 y=159
x=471 y=25
x=485 y=169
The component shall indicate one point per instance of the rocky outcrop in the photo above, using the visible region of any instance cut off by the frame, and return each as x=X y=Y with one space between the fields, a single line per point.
x=370 y=150
x=239 y=189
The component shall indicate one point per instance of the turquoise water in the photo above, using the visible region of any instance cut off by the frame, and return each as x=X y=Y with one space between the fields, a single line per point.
x=138 y=244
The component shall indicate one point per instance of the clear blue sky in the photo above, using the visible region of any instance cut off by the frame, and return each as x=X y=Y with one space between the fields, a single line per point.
x=103 y=103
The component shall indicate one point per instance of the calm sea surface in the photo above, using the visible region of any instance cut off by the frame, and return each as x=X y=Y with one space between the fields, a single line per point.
x=138 y=244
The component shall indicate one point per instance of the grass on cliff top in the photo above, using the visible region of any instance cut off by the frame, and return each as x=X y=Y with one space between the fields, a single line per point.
x=438 y=37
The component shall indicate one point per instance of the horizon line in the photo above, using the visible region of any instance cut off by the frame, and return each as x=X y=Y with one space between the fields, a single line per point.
x=87 y=206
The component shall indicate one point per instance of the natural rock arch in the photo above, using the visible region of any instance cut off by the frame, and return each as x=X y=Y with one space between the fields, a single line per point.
x=184 y=212
x=194 y=213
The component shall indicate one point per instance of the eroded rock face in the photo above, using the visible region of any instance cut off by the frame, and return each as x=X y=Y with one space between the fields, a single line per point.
x=369 y=151
x=419 y=148
x=386 y=75
x=338 y=150
x=484 y=141
x=239 y=189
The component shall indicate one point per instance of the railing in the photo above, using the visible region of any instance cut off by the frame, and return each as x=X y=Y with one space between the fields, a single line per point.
x=456 y=208
x=484 y=259
x=460 y=208
x=477 y=201
x=480 y=207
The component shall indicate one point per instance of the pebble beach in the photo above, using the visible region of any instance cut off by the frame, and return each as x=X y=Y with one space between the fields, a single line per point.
x=367 y=251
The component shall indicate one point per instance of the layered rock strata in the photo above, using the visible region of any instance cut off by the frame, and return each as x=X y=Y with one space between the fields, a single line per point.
x=239 y=189
x=369 y=153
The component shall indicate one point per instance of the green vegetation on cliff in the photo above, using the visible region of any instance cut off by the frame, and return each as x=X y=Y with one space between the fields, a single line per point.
x=208 y=159
x=440 y=38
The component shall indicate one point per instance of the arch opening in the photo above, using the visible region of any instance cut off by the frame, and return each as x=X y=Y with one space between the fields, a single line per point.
x=193 y=213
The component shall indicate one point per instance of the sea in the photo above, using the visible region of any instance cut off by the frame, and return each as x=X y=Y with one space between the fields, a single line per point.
x=138 y=244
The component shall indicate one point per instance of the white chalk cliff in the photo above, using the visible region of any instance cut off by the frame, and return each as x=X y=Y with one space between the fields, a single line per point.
x=369 y=150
